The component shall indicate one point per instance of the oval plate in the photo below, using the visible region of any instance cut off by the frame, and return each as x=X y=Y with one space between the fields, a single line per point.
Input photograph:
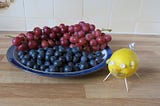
x=12 y=58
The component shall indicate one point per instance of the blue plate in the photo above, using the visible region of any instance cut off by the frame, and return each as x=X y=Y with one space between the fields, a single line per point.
x=12 y=58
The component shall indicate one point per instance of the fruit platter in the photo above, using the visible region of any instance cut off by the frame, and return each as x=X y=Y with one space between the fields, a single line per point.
x=61 y=51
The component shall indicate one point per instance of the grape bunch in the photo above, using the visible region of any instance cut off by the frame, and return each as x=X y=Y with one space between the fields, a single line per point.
x=82 y=35
x=59 y=59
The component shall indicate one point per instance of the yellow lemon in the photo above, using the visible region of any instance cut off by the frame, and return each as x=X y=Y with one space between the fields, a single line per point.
x=123 y=63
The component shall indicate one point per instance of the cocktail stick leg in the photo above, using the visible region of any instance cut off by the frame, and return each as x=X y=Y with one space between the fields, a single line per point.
x=138 y=75
x=106 y=77
x=126 y=84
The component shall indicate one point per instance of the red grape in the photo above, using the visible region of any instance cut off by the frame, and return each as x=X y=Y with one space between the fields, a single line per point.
x=93 y=42
x=23 y=47
x=81 y=34
x=108 y=38
x=76 y=34
x=63 y=28
x=103 y=46
x=32 y=44
x=44 y=37
x=85 y=28
x=73 y=39
x=98 y=33
x=100 y=39
x=77 y=28
x=52 y=35
x=37 y=37
x=92 y=27
x=37 y=31
x=82 y=41
x=22 y=35
x=17 y=41
x=71 y=29
x=95 y=48
x=56 y=29
x=30 y=35
x=89 y=36
x=64 y=42
x=78 y=45
x=63 y=38
x=44 y=43
x=82 y=23
x=51 y=42
x=46 y=30
x=66 y=35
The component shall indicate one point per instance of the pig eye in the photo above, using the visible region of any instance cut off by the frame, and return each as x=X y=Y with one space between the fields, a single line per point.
x=123 y=66
x=111 y=63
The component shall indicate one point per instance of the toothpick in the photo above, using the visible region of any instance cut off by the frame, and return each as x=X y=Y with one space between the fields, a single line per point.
x=126 y=84
x=106 y=77
x=138 y=75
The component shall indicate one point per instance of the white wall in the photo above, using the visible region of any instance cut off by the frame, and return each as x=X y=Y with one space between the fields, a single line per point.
x=123 y=16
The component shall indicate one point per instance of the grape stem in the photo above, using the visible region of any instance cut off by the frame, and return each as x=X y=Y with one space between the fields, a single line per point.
x=10 y=36
x=108 y=30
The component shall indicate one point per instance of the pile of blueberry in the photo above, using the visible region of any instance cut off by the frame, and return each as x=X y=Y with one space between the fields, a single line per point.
x=59 y=59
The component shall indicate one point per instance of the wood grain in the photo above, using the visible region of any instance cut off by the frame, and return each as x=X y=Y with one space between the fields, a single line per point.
x=19 y=88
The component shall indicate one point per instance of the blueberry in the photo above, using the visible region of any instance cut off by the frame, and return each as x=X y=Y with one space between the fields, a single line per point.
x=23 y=61
x=27 y=57
x=62 y=58
x=32 y=51
x=98 y=53
x=36 y=66
x=76 y=59
x=91 y=56
x=47 y=63
x=34 y=55
x=84 y=59
x=40 y=56
x=93 y=63
x=53 y=68
x=68 y=57
x=42 y=67
x=57 y=54
x=46 y=48
x=49 y=52
x=30 y=64
x=78 y=55
x=40 y=62
x=40 y=50
x=67 y=69
x=61 y=49
x=20 y=53
x=83 y=66
x=69 y=51
x=55 y=48
x=47 y=57
x=33 y=60
x=57 y=63
x=71 y=64
x=75 y=49
x=84 y=53
x=53 y=58
x=47 y=70
x=99 y=59
x=21 y=57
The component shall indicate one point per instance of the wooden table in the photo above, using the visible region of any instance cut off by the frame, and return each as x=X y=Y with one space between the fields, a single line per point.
x=19 y=88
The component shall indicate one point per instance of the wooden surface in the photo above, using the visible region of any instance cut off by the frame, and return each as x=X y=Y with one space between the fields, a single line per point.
x=19 y=88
